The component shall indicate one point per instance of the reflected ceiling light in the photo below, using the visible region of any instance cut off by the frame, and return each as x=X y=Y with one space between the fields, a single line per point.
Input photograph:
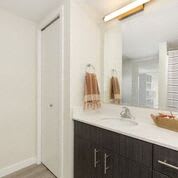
x=127 y=10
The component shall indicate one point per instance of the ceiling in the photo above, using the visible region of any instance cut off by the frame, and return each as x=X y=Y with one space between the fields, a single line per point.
x=104 y=7
x=141 y=33
x=34 y=10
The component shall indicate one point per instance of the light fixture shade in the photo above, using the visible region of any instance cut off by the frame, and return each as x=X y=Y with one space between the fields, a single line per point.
x=125 y=9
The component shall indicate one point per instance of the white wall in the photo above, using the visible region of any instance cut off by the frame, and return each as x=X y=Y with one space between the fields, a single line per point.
x=85 y=49
x=17 y=89
x=68 y=127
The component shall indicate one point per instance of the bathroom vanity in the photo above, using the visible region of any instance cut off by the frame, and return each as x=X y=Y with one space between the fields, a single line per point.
x=105 y=151
x=140 y=54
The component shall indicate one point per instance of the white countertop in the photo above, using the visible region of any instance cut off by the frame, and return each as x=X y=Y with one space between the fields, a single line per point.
x=146 y=131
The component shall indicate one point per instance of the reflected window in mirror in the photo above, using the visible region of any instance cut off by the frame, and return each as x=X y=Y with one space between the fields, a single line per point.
x=172 y=98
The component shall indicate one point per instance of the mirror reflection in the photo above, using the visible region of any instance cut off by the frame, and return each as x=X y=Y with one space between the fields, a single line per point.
x=143 y=49
x=140 y=81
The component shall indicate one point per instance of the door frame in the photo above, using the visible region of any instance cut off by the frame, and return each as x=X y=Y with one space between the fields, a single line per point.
x=53 y=15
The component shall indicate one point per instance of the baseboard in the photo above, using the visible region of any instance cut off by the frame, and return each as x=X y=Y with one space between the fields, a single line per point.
x=17 y=166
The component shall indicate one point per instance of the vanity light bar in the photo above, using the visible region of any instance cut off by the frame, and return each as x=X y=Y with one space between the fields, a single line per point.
x=134 y=5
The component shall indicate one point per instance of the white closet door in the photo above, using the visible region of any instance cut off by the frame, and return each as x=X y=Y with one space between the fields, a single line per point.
x=51 y=98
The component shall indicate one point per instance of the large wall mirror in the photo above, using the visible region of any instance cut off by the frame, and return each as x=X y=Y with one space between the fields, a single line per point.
x=142 y=52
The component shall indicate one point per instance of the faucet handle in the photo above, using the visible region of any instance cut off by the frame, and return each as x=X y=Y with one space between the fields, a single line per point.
x=126 y=113
x=126 y=109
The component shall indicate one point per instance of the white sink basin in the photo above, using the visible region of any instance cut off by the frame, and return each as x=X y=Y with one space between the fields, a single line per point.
x=119 y=121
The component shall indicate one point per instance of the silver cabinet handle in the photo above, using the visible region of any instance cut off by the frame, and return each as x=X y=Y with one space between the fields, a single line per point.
x=168 y=165
x=95 y=158
x=105 y=163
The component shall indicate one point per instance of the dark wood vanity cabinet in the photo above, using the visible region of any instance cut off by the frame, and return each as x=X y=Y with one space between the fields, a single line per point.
x=165 y=161
x=159 y=175
x=99 y=153
x=91 y=160
x=83 y=158
x=125 y=168
x=136 y=150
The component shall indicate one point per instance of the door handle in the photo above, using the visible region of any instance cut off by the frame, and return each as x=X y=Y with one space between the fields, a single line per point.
x=167 y=164
x=105 y=163
x=95 y=158
x=50 y=105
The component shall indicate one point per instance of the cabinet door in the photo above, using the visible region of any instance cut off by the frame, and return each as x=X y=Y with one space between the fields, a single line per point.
x=82 y=158
x=159 y=175
x=125 y=168
x=136 y=150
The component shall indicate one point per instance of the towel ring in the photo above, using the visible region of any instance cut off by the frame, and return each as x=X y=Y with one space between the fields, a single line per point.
x=89 y=67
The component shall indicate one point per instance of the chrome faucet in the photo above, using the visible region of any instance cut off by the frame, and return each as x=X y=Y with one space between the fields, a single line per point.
x=126 y=113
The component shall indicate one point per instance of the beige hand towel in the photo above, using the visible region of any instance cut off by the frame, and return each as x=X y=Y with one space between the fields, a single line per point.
x=115 y=90
x=91 y=92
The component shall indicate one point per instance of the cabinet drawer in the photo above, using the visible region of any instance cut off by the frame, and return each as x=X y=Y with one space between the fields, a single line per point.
x=136 y=150
x=166 y=161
